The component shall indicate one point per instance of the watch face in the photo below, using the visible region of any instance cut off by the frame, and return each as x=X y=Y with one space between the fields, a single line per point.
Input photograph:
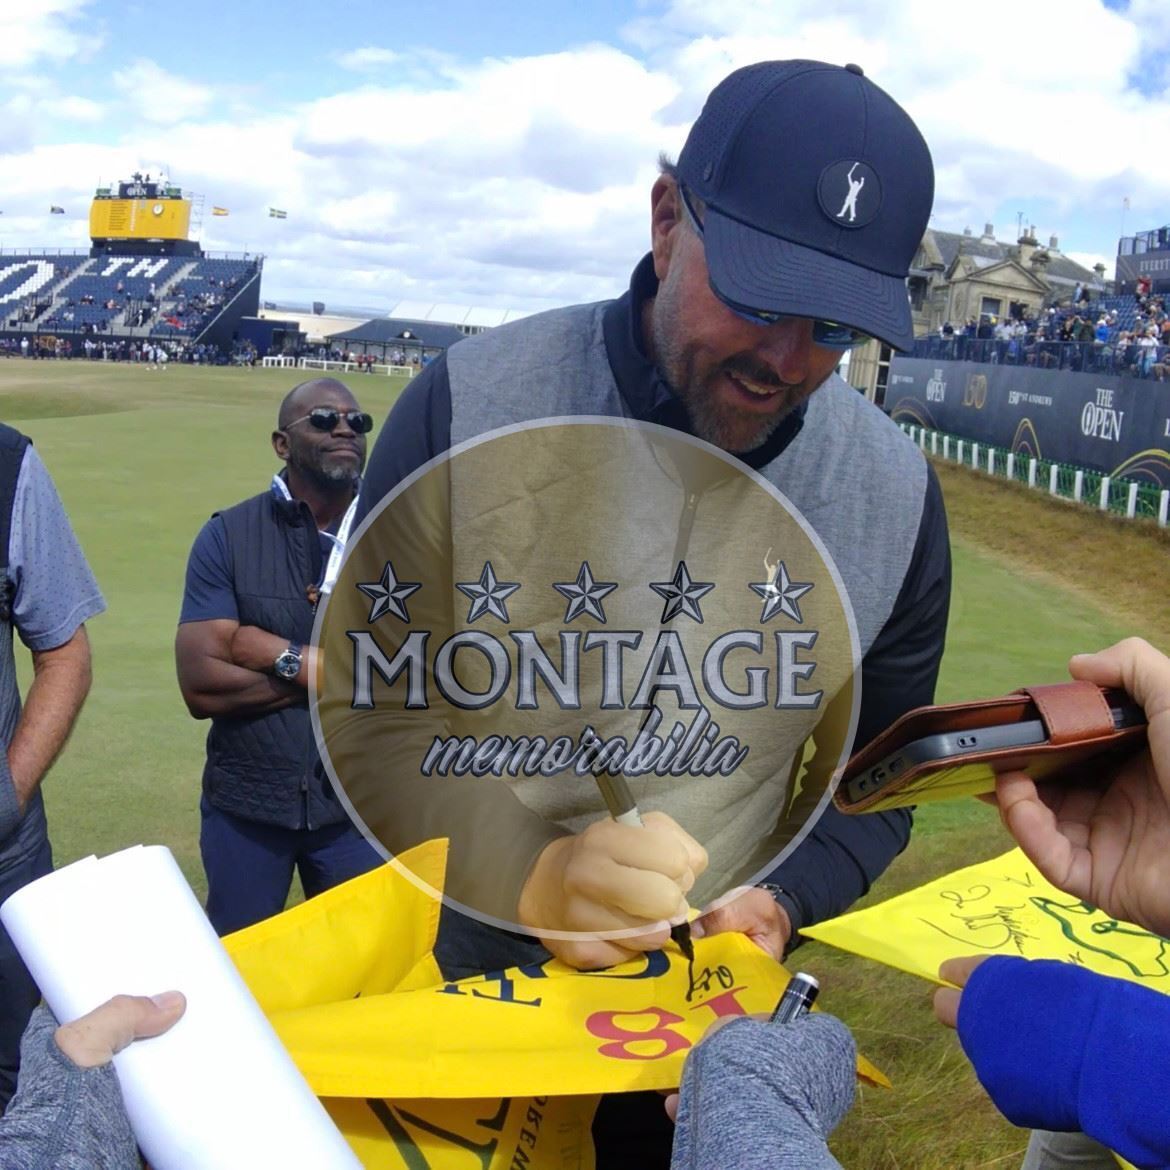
x=288 y=665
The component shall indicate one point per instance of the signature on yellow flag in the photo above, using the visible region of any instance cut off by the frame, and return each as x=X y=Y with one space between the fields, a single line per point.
x=998 y=907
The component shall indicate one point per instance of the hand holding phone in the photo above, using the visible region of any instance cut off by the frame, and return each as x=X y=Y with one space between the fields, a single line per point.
x=1108 y=845
x=1064 y=731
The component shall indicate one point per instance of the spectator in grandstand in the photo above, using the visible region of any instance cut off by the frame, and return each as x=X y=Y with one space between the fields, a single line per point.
x=1002 y=334
x=254 y=577
x=1087 y=1051
x=1161 y=367
x=48 y=595
x=1101 y=338
x=1147 y=346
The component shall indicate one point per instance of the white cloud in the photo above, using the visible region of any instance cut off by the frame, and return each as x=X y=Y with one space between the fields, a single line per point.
x=36 y=30
x=159 y=96
x=74 y=109
x=368 y=58
x=1089 y=259
x=525 y=180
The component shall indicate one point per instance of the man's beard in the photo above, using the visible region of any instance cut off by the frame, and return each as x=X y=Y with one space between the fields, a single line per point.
x=327 y=475
x=722 y=428
x=722 y=425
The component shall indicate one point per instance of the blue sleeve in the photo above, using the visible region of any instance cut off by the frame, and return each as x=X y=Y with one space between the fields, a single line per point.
x=843 y=855
x=55 y=590
x=418 y=429
x=209 y=593
x=1086 y=1053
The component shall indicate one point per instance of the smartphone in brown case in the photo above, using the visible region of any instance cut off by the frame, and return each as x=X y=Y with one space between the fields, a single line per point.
x=1067 y=731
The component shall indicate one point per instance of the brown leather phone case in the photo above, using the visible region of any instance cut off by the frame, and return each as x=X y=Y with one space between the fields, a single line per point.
x=1076 y=716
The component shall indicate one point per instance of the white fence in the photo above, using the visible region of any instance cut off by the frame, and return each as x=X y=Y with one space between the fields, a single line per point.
x=322 y=364
x=1011 y=466
x=292 y=363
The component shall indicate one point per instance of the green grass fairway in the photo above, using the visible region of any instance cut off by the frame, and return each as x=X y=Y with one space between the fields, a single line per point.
x=142 y=458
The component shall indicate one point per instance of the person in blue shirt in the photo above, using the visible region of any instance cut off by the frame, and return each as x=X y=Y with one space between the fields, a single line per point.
x=47 y=595
x=1087 y=1054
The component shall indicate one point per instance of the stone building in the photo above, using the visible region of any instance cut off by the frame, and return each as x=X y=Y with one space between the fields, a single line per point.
x=958 y=276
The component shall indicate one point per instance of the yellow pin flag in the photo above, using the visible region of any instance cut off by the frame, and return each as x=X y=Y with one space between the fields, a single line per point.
x=486 y=1072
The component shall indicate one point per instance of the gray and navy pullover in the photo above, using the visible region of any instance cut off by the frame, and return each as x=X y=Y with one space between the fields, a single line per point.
x=865 y=489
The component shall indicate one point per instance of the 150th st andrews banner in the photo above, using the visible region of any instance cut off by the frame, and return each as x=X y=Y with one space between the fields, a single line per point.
x=1120 y=426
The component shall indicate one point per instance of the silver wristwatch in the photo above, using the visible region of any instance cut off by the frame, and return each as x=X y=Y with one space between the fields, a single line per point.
x=288 y=662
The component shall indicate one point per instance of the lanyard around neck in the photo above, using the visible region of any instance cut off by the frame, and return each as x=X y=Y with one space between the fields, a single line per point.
x=333 y=566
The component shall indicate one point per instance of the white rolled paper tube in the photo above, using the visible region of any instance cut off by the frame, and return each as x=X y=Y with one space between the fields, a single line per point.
x=218 y=1089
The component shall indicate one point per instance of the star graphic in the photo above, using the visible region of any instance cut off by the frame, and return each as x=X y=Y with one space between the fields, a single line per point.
x=780 y=594
x=389 y=595
x=488 y=595
x=585 y=594
x=682 y=594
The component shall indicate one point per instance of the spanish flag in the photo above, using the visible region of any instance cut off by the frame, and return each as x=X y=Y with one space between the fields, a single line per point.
x=219 y=211
x=276 y=213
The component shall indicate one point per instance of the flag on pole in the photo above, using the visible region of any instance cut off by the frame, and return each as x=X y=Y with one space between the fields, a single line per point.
x=1125 y=203
x=276 y=213
x=219 y=211
x=55 y=210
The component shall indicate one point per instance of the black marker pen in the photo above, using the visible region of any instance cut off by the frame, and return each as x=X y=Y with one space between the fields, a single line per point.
x=797 y=999
x=624 y=809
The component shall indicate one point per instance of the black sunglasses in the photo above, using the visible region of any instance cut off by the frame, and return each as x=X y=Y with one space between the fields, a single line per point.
x=830 y=334
x=325 y=418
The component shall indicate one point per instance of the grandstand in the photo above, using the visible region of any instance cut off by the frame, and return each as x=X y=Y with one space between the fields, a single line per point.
x=1146 y=254
x=144 y=276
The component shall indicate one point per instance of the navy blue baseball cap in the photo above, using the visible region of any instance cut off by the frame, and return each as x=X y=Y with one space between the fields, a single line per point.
x=818 y=189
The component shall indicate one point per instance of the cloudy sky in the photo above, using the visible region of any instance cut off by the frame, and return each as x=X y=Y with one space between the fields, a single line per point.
x=502 y=154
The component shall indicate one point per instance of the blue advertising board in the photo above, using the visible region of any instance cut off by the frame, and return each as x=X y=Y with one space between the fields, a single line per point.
x=1119 y=426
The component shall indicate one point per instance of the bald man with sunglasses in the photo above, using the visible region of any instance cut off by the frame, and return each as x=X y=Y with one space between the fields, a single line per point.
x=254 y=579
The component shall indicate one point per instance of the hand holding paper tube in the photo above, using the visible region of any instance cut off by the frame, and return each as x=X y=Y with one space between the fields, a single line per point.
x=218 y=1089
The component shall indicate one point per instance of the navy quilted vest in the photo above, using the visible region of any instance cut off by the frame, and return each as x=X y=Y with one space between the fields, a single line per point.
x=266 y=767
